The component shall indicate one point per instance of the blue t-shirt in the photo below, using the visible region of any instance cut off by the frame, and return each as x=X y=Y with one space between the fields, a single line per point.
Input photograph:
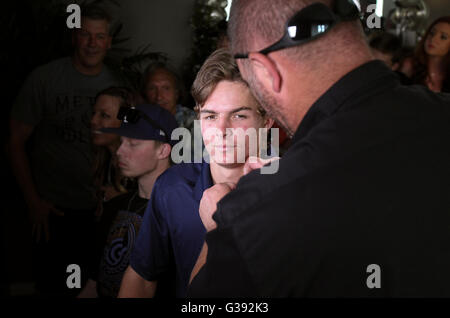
x=172 y=233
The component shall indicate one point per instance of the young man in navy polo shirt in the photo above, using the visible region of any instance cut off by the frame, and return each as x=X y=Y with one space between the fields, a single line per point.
x=172 y=234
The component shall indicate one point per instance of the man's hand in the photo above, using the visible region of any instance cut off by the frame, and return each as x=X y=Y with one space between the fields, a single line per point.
x=253 y=163
x=39 y=212
x=208 y=203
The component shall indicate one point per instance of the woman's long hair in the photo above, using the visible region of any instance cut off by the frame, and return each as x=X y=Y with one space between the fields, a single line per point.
x=104 y=167
x=421 y=58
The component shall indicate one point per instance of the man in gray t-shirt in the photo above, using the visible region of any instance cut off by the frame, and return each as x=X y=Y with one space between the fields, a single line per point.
x=53 y=110
x=56 y=100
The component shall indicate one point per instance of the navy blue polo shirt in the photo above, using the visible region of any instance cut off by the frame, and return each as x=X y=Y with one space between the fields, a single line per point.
x=172 y=233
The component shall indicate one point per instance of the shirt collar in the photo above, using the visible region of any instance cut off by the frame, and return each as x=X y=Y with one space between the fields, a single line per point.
x=355 y=83
x=204 y=181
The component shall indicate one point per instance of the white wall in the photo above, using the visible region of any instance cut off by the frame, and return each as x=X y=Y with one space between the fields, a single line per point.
x=162 y=23
x=437 y=8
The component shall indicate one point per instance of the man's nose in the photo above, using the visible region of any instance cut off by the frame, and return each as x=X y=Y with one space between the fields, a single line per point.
x=119 y=151
x=158 y=95
x=223 y=125
x=94 y=120
x=433 y=38
x=91 y=41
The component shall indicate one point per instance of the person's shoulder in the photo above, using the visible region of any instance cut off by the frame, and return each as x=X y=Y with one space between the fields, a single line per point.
x=112 y=207
x=180 y=174
x=57 y=64
x=419 y=100
x=51 y=68
x=114 y=75
x=174 y=190
x=117 y=202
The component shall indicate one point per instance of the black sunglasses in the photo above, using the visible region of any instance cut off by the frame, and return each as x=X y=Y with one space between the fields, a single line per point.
x=311 y=22
x=132 y=115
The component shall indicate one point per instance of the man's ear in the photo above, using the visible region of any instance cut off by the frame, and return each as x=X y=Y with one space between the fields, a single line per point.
x=164 y=151
x=268 y=122
x=266 y=70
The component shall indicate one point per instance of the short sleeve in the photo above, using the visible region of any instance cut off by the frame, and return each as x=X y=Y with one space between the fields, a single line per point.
x=29 y=104
x=151 y=254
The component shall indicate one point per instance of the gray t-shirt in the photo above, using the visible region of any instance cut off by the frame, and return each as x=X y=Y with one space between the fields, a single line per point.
x=57 y=100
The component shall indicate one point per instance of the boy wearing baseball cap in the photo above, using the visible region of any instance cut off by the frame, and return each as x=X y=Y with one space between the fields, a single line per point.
x=144 y=154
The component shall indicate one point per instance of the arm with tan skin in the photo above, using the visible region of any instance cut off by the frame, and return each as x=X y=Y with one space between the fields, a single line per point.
x=39 y=209
x=208 y=206
x=201 y=260
x=89 y=290
x=135 y=286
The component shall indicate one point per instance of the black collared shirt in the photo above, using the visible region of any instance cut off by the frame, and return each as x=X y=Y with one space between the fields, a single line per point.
x=360 y=205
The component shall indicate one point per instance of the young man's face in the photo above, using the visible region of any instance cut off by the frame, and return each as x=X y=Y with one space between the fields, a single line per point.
x=230 y=105
x=92 y=42
x=104 y=115
x=136 y=157
x=161 y=90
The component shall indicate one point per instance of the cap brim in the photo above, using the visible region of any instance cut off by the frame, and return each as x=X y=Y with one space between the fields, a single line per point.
x=135 y=132
x=130 y=131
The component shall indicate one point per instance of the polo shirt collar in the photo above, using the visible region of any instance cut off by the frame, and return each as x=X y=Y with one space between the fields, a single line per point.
x=203 y=182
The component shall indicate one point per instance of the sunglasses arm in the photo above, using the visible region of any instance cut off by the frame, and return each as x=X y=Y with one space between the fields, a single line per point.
x=282 y=43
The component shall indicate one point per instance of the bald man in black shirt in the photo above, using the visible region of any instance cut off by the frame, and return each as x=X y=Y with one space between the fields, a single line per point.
x=360 y=205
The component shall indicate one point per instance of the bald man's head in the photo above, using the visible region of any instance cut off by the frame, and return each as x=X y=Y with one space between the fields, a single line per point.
x=255 y=24
x=289 y=80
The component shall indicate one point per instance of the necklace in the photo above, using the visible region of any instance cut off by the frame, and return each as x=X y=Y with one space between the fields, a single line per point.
x=131 y=200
